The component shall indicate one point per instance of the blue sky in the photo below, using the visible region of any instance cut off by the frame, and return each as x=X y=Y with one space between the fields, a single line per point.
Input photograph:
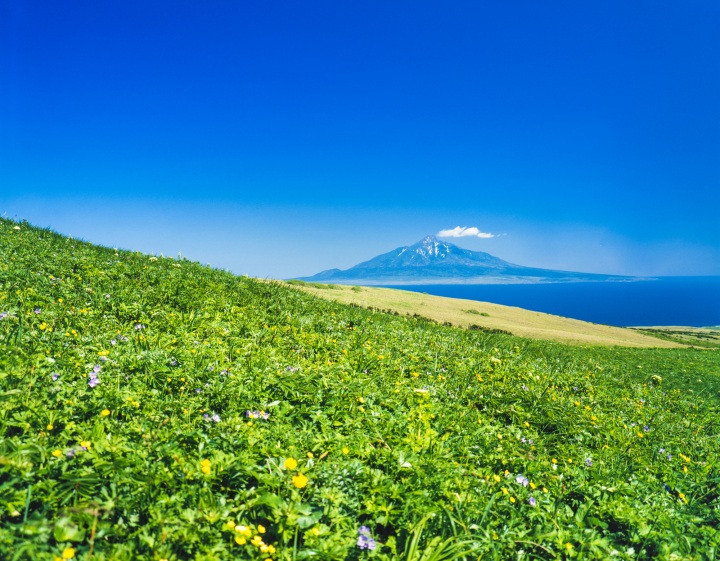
x=278 y=139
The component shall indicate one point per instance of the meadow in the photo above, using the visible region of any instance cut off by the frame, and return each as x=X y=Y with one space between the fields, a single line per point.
x=156 y=409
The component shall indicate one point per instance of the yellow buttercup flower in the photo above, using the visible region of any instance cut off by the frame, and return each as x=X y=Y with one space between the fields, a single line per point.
x=57 y=453
x=105 y=412
x=68 y=553
x=205 y=466
x=261 y=529
x=240 y=540
x=290 y=463
x=299 y=480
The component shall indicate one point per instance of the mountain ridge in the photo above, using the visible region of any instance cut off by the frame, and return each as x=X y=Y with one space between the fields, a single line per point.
x=433 y=261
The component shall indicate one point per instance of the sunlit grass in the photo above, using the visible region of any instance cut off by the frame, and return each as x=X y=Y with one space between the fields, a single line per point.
x=156 y=409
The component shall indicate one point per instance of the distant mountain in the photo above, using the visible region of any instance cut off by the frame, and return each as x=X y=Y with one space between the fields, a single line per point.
x=432 y=261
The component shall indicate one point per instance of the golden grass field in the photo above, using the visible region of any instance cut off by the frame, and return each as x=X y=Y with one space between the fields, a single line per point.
x=464 y=313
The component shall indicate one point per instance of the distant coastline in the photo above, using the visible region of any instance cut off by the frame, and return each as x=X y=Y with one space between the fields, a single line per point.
x=690 y=301
x=478 y=281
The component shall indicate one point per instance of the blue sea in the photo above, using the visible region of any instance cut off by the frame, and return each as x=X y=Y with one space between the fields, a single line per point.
x=690 y=301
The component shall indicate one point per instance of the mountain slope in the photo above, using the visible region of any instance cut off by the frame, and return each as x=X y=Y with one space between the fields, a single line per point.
x=434 y=261
x=152 y=408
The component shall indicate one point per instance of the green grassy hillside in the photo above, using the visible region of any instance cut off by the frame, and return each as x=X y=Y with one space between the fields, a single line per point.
x=154 y=409
x=487 y=316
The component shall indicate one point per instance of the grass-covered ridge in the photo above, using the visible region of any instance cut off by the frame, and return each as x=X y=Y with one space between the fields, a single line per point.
x=490 y=317
x=156 y=409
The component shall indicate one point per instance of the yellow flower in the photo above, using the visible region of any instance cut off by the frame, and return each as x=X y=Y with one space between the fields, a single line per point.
x=512 y=499
x=345 y=450
x=264 y=548
x=205 y=466
x=299 y=480
x=57 y=453
x=105 y=412
x=496 y=478
x=43 y=326
x=261 y=529
x=49 y=426
x=240 y=540
x=86 y=444
x=244 y=531
x=68 y=553
x=532 y=485
x=310 y=455
x=290 y=463
x=504 y=491
x=315 y=532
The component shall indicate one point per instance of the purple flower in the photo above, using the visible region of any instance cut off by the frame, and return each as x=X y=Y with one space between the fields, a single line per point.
x=70 y=453
x=646 y=428
x=669 y=457
x=364 y=540
x=522 y=480
x=3 y=315
x=103 y=359
x=55 y=376
x=93 y=379
x=198 y=390
x=532 y=501
x=37 y=310
x=524 y=387
x=139 y=326
x=215 y=418
x=661 y=450
x=123 y=338
x=113 y=342
x=205 y=416
x=588 y=462
x=523 y=440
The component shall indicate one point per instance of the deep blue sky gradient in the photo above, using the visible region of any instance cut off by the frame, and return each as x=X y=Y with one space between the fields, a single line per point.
x=282 y=138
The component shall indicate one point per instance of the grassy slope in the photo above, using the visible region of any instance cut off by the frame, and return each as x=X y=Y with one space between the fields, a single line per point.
x=464 y=313
x=410 y=428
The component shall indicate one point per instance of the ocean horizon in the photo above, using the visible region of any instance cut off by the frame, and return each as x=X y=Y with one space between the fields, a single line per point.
x=663 y=301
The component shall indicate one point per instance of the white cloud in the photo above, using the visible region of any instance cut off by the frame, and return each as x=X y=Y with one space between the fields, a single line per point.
x=463 y=231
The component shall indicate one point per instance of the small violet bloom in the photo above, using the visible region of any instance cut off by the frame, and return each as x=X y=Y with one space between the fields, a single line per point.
x=37 y=310
x=364 y=540
x=55 y=376
x=588 y=462
x=522 y=480
x=532 y=501
x=646 y=428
